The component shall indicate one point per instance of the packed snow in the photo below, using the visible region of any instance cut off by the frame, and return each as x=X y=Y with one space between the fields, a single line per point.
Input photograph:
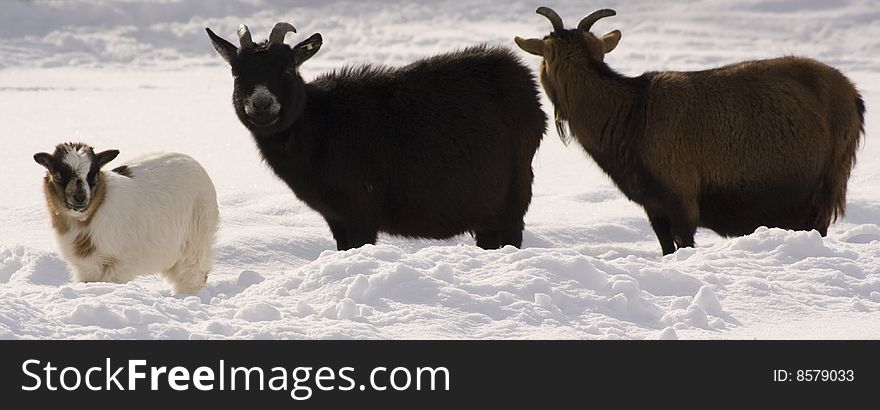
x=141 y=76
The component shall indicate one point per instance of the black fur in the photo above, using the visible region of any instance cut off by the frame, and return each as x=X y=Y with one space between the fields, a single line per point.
x=433 y=149
x=123 y=170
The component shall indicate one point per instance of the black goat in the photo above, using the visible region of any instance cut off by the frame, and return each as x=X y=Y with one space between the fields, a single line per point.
x=433 y=149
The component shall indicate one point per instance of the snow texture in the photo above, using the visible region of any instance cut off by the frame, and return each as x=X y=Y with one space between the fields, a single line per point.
x=141 y=76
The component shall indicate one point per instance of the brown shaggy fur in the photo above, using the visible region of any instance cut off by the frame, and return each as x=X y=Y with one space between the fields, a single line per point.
x=62 y=222
x=54 y=195
x=82 y=245
x=757 y=143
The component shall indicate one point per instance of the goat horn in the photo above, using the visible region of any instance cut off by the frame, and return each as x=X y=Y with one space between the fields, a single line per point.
x=244 y=36
x=588 y=21
x=552 y=16
x=279 y=31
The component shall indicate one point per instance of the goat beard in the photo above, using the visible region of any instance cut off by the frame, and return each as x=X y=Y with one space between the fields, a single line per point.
x=562 y=128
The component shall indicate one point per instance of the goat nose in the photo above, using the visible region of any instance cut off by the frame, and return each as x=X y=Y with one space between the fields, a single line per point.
x=262 y=103
x=79 y=196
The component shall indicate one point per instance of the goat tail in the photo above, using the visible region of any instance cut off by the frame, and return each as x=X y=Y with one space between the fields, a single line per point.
x=844 y=158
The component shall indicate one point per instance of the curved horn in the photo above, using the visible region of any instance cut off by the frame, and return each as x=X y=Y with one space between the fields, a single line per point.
x=588 y=21
x=279 y=31
x=552 y=16
x=244 y=36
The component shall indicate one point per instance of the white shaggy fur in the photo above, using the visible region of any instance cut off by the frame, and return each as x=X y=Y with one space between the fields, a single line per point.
x=162 y=219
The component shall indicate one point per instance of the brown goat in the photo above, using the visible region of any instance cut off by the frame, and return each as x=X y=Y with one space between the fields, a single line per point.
x=758 y=143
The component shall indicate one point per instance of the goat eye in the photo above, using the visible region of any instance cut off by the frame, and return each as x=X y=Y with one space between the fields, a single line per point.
x=56 y=176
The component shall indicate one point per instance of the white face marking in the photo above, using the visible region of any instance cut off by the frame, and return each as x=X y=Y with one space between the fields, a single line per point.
x=262 y=94
x=80 y=162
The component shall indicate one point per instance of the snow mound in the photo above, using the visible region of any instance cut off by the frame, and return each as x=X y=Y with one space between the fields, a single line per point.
x=461 y=291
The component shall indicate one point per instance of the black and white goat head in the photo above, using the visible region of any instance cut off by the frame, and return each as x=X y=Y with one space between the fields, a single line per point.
x=72 y=179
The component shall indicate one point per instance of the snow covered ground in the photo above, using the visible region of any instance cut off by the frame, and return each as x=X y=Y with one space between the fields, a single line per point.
x=141 y=76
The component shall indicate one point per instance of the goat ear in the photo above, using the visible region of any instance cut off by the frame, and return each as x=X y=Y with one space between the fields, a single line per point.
x=610 y=40
x=226 y=49
x=307 y=48
x=45 y=159
x=106 y=156
x=532 y=46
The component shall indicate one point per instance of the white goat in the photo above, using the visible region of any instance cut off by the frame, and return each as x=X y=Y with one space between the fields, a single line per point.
x=155 y=214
